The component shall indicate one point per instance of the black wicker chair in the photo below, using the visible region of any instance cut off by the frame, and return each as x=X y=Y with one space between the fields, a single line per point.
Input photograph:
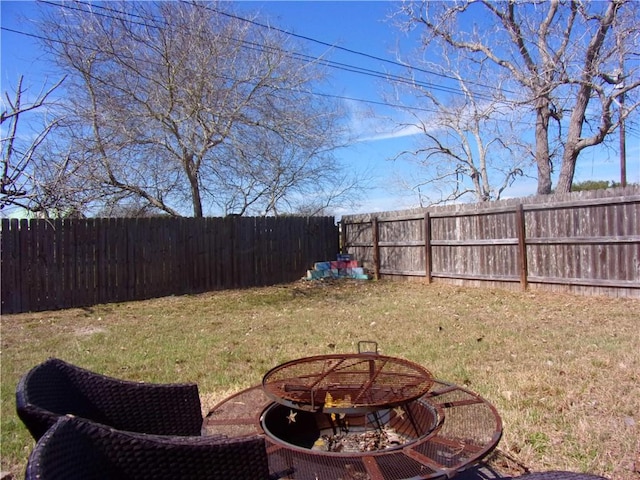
x=55 y=388
x=559 y=475
x=75 y=448
x=484 y=472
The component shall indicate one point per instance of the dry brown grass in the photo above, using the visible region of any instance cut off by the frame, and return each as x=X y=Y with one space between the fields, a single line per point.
x=562 y=370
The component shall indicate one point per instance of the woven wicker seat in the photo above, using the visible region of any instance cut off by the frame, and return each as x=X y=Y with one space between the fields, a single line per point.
x=76 y=448
x=55 y=388
x=559 y=475
x=484 y=472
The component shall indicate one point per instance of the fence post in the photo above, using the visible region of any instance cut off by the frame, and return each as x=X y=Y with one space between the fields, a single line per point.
x=427 y=246
x=522 y=246
x=376 y=248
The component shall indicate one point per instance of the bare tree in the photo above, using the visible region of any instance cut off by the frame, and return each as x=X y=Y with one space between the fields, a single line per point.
x=176 y=103
x=469 y=146
x=19 y=185
x=270 y=175
x=558 y=53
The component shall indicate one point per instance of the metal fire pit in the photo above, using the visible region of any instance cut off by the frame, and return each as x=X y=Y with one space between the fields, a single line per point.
x=446 y=428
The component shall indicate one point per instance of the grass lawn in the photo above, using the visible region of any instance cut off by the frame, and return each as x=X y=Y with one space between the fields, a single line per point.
x=562 y=370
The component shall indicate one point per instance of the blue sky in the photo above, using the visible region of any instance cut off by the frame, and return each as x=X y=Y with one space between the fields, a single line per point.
x=361 y=26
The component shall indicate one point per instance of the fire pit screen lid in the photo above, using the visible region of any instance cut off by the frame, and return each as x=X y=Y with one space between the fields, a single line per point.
x=346 y=383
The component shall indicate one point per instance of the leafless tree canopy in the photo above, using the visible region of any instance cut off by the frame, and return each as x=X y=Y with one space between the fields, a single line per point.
x=20 y=185
x=175 y=104
x=469 y=148
x=568 y=62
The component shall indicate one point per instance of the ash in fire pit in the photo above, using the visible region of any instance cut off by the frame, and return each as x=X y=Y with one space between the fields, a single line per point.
x=353 y=433
x=368 y=441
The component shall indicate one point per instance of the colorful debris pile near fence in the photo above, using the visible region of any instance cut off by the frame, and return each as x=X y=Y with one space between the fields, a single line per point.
x=343 y=267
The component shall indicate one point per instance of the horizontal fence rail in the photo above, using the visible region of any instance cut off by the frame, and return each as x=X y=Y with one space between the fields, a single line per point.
x=53 y=264
x=585 y=243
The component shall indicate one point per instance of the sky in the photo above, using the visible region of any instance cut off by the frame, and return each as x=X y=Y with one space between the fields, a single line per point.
x=359 y=26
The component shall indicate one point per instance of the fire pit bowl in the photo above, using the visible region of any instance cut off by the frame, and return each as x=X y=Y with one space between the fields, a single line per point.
x=370 y=432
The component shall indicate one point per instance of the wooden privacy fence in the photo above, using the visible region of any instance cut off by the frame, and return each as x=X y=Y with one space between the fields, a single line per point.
x=586 y=242
x=53 y=264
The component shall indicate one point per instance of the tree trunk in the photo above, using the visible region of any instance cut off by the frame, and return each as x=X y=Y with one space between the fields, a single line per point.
x=543 y=159
x=192 y=169
x=569 y=159
x=197 y=201
x=572 y=145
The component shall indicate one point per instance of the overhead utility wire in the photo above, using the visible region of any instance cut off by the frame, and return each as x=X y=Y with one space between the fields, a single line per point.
x=70 y=7
x=338 y=47
x=329 y=63
x=260 y=47
x=364 y=71
x=308 y=92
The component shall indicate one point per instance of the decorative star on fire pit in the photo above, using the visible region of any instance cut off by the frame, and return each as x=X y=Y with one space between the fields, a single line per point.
x=399 y=412
x=292 y=416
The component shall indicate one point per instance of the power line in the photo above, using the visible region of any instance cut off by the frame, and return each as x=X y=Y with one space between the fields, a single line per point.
x=368 y=72
x=326 y=95
x=340 y=66
x=337 y=47
x=70 y=7
x=261 y=47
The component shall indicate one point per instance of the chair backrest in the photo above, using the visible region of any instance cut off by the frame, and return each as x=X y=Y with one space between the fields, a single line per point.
x=64 y=451
x=56 y=388
x=558 y=475
x=76 y=448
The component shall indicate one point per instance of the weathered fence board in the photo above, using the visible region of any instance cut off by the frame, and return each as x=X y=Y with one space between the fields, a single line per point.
x=587 y=242
x=52 y=264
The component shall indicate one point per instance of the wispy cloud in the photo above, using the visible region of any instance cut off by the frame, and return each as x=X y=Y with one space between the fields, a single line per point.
x=390 y=133
x=369 y=125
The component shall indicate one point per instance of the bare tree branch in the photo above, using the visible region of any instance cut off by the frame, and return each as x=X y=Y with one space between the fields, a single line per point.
x=17 y=185
x=462 y=152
